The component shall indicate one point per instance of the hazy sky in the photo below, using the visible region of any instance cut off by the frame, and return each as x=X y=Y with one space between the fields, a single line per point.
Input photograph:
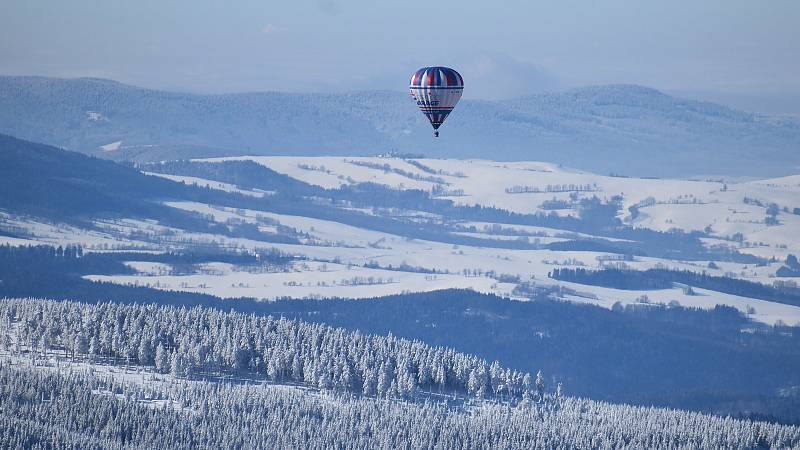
x=746 y=53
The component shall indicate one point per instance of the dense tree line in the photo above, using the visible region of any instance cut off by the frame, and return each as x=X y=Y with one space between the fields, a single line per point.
x=73 y=259
x=207 y=341
x=55 y=272
x=664 y=279
x=21 y=265
x=597 y=245
x=71 y=410
x=791 y=269
x=616 y=278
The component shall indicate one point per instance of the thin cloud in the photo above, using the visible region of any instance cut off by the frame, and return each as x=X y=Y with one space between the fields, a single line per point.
x=271 y=28
x=497 y=76
x=328 y=6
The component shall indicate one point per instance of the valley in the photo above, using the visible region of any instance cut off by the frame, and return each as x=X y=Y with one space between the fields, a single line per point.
x=346 y=247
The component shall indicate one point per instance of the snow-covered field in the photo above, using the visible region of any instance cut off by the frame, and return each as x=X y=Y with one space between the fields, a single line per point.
x=37 y=232
x=331 y=256
x=303 y=280
x=315 y=278
x=664 y=203
x=211 y=184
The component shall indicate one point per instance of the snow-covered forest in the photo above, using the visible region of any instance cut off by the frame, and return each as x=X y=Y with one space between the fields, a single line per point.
x=207 y=342
x=201 y=377
x=55 y=409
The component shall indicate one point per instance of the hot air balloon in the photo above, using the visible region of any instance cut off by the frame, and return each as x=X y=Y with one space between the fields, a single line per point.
x=436 y=91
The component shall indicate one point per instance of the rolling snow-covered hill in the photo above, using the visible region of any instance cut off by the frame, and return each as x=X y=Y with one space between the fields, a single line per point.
x=725 y=209
x=605 y=129
x=493 y=227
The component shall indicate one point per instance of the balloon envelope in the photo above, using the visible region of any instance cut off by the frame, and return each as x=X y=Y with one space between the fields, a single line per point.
x=436 y=91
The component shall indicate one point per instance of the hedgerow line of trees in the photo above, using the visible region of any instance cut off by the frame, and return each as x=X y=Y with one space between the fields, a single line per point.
x=84 y=410
x=432 y=171
x=518 y=189
x=404 y=173
x=195 y=341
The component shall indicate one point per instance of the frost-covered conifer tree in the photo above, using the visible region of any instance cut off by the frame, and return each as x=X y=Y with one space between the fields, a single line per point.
x=162 y=359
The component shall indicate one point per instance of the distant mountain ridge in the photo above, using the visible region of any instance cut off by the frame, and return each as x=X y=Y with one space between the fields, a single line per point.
x=617 y=128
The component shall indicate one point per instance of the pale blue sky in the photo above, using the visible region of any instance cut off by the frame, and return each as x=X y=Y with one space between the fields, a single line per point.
x=746 y=53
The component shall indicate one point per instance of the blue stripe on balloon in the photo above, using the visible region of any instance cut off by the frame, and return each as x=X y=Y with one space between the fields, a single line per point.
x=435 y=87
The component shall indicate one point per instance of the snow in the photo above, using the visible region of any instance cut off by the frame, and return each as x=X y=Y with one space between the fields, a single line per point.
x=764 y=311
x=688 y=205
x=148 y=268
x=543 y=240
x=304 y=280
x=39 y=232
x=95 y=116
x=321 y=230
x=119 y=373
x=310 y=279
x=111 y=147
x=333 y=172
x=211 y=184
x=343 y=249
x=358 y=246
x=789 y=181
x=15 y=241
x=488 y=229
